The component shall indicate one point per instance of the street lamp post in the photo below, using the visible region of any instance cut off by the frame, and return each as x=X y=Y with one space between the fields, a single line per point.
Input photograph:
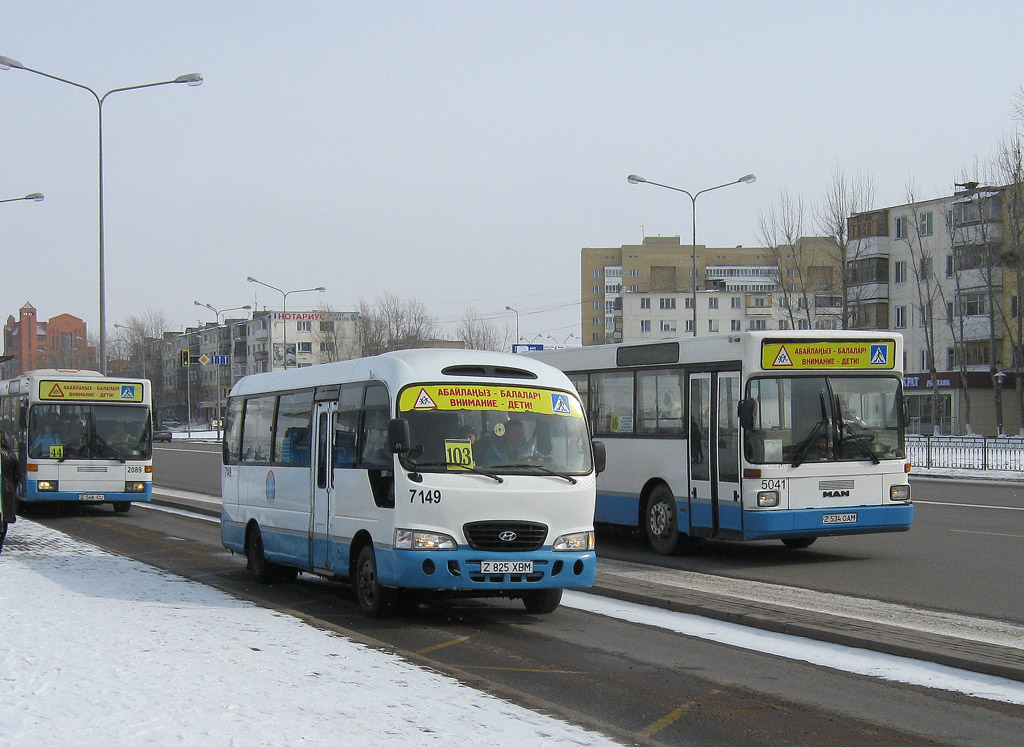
x=35 y=197
x=516 y=312
x=747 y=179
x=999 y=376
x=284 y=310
x=220 y=386
x=191 y=79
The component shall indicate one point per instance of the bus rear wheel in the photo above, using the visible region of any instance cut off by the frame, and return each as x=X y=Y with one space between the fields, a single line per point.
x=798 y=543
x=255 y=560
x=542 y=601
x=122 y=507
x=374 y=600
x=660 y=521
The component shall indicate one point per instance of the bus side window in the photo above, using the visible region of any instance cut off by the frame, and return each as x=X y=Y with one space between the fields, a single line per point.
x=346 y=425
x=374 y=454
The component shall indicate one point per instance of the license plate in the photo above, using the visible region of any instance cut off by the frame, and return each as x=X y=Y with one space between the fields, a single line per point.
x=506 y=566
x=839 y=519
x=91 y=497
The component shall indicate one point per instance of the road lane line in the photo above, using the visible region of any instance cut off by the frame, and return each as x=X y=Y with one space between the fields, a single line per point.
x=971 y=505
x=665 y=721
x=989 y=534
x=446 y=644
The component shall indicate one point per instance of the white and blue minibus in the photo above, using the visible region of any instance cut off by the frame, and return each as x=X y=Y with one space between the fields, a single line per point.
x=789 y=435
x=431 y=470
x=80 y=437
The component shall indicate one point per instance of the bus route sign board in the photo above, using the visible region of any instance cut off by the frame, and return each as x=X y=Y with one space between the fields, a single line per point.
x=828 y=354
x=74 y=390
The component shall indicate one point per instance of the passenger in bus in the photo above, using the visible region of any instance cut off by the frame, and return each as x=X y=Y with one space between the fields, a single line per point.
x=510 y=447
x=47 y=437
x=467 y=433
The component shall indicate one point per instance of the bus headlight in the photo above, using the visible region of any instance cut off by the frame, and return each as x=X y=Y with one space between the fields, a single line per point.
x=899 y=493
x=135 y=487
x=767 y=498
x=47 y=486
x=408 y=539
x=577 y=541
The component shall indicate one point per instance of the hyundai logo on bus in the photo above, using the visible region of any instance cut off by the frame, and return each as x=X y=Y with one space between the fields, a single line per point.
x=507 y=536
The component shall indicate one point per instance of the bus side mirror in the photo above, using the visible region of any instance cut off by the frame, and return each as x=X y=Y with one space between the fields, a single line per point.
x=399 y=437
x=905 y=412
x=600 y=457
x=22 y=416
x=747 y=411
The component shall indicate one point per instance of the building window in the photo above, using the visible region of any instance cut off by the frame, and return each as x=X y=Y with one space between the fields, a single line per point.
x=597 y=337
x=634 y=273
x=783 y=324
x=597 y=321
x=326 y=326
x=899 y=272
x=736 y=302
x=901 y=317
x=634 y=288
x=973 y=304
x=901 y=227
x=597 y=290
x=756 y=324
x=668 y=325
x=667 y=303
x=689 y=326
x=926 y=224
x=304 y=326
x=597 y=274
x=645 y=303
x=926 y=268
x=712 y=325
x=735 y=325
x=597 y=305
x=949 y=265
x=712 y=302
x=688 y=302
x=645 y=325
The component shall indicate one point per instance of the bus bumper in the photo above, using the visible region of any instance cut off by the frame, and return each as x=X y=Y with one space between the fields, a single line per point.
x=34 y=495
x=758 y=525
x=459 y=570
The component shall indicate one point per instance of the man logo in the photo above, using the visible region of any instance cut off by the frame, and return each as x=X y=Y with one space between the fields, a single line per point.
x=507 y=536
x=835 y=494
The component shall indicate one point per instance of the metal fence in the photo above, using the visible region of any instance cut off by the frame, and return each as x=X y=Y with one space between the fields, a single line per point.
x=966 y=452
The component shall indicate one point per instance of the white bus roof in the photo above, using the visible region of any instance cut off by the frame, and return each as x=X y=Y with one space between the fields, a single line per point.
x=403 y=366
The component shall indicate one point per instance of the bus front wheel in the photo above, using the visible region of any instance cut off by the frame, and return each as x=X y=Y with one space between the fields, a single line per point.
x=122 y=507
x=542 y=601
x=798 y=543
x=660 y=521
x=374 y=599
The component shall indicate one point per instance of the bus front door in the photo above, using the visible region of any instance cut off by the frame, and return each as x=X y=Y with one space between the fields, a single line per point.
x=323 y=484
x=716 y=509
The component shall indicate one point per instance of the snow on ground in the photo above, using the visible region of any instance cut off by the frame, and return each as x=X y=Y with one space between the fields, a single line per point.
x=100 y=649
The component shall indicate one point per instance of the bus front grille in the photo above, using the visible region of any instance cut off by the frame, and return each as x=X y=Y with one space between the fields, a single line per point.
x=505 y=536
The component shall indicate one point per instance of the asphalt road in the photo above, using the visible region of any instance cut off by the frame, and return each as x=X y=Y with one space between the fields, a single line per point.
x=638 y=684
x=963 y=553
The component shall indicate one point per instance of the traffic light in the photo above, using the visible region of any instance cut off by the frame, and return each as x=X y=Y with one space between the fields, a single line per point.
x=185 y=360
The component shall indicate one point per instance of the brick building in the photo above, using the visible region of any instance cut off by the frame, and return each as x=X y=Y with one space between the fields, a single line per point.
x=60 y=342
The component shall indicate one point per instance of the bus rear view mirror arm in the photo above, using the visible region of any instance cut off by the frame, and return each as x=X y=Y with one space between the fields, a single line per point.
x=399 y=436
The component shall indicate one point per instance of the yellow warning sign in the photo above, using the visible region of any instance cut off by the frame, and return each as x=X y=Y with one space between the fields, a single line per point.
x=90 y=391
x=834 y=354
x=483 y=397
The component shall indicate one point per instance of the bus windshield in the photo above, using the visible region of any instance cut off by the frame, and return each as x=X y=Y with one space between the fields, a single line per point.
x=824 y=418
x=499 y=429
x=89 y=431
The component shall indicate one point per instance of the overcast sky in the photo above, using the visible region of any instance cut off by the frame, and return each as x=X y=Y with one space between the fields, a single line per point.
x=457 y=153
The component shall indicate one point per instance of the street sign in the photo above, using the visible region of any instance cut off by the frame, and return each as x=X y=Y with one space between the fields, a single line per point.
x=203 y=359
x=219 y=360
x=526 y=348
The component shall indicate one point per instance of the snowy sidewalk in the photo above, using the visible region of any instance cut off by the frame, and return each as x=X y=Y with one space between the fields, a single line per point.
x=97 y=649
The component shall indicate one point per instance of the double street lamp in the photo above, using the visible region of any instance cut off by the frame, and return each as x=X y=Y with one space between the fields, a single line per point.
x=191 y=79
x=35 y=197
x=284 y=308
x=220 y=386
x=747 y=179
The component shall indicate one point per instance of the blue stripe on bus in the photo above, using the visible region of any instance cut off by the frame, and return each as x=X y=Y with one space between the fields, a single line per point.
x=809 y=523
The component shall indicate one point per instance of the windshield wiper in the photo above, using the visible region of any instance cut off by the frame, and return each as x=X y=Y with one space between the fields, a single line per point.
x=111 y=449
x=816 y=431
x=545 y=470
x=459 y=468
x=862 y=440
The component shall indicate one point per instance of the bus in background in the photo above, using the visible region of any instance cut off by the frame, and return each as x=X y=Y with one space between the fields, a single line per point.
x=79 y=437
x=749 y=436
x=432 y=470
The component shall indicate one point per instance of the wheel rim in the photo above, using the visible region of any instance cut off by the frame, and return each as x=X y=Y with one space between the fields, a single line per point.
x=659 y=522
x=367 y=581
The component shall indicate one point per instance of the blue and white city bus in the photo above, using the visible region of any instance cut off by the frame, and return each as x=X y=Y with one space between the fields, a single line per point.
x=432 y=470
x=79 y=437
x=749 y=436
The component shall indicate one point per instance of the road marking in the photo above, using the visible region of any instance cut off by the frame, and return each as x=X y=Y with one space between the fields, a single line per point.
x=971 y=505
x=990 y=534
x=446 y=644
x=520 y=669
x=664 y=721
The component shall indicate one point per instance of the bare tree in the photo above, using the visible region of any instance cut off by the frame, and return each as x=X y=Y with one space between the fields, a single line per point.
x=922 y=260
x=1009 y=167
x=479 y=333
x=844 y=197
x=391 y=323
x=337 y=338
x=138 y=329
x=956 y=322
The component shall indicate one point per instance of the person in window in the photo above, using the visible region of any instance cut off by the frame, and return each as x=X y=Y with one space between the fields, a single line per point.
x=852 y=419
x=512 y=447
x=819 y=450
x=467 y=433
x=44 y=440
